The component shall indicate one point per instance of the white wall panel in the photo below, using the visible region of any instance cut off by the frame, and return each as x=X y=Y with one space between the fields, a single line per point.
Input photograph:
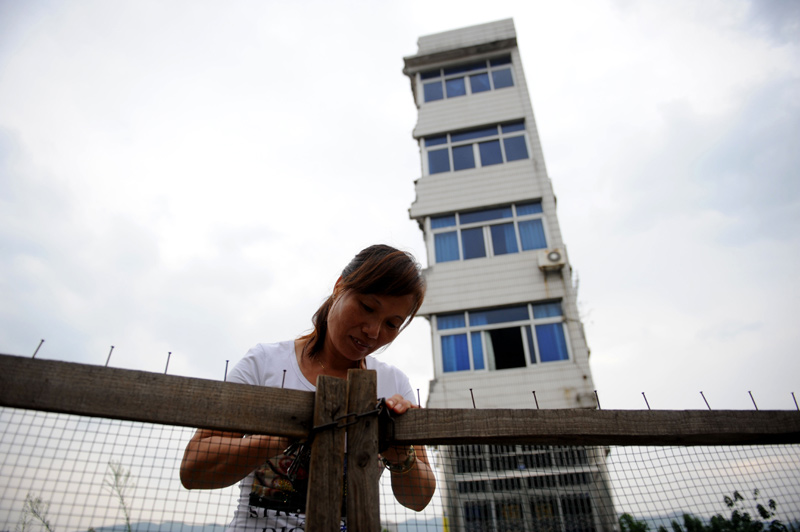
x=486 y=108
x=469 y=189
x=489 y=282
x=461 y=38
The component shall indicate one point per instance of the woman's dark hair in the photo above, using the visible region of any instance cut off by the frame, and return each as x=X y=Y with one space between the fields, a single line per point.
x=379 y=269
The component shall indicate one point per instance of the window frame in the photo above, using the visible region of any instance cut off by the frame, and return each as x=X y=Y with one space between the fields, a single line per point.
x=464 y=72
x=504 y=131
x=527 y=329
x=489 y=248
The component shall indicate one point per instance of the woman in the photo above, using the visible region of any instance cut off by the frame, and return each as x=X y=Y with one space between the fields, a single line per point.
x=375 y=298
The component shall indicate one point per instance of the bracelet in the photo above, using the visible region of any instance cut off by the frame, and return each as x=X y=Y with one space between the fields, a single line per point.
x=404 y=467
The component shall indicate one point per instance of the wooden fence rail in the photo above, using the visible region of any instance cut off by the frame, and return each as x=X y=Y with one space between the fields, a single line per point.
x=155 y=398
x=112 y=393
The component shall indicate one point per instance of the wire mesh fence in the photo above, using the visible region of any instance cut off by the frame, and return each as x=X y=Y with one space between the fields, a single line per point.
x=588 y=489
x=64 y=473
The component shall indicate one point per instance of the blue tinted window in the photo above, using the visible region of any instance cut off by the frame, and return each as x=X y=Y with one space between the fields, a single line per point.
x=479 y=83
x=504 y=239
x=430 y=74
x=552 y=344
x=490 y=153
x=433 y=91
x=446 y=245
x=505 y=60
x=455 y=353
x=435 y=141
x=531 y=349
x=464 y=68
x=499 y=315
x=443 y=221
x=488 y=214
x=547 y=310
x=455 y=87
x=463 y=157
x=438 y=161
x=474 y=134
x=516 y=126
x=531 y=234
x=477 y=351
x=450 y=321
x=502 y=78
x=515 y=148
x=472 y=243
x=529 y=208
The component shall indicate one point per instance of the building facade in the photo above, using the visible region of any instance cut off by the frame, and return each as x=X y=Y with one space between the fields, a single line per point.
x=501 y=301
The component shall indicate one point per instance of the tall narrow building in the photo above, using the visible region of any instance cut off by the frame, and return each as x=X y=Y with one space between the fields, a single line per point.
x=501 y=301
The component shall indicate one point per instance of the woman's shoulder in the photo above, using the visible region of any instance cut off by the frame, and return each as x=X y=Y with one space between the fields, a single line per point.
x=273 y=349
x=261 y=360
x=382 y=367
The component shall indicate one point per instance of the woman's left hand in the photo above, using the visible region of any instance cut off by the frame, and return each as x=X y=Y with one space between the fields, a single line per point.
x=399 y=404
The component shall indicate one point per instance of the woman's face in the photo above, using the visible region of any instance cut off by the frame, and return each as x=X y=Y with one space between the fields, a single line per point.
x=359 y=324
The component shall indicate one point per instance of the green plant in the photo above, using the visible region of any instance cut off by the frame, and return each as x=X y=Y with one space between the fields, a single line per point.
x=628 y=524
x=118 y=483
x=34 y=509
x=741 y=520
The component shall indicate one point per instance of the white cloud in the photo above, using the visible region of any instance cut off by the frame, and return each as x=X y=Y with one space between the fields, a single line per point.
x=191 y=179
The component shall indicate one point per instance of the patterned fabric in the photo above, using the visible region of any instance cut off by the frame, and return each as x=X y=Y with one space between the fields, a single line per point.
x=282 y=482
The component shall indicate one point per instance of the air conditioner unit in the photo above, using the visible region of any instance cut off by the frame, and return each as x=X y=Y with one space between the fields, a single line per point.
x=551 y=259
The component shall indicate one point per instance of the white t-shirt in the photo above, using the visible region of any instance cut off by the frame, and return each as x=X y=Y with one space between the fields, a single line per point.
x=275 y=365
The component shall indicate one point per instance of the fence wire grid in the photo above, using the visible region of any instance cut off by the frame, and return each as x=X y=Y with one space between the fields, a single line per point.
x=66 y=473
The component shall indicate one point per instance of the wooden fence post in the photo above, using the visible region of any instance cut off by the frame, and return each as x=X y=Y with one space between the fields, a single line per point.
x=324 y=502
x=363 y=482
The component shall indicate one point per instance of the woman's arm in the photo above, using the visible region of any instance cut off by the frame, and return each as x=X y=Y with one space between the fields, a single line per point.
x=218 y=459
x=413 y=488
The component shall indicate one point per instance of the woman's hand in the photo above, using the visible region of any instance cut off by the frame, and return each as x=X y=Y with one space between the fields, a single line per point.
x=399 y=404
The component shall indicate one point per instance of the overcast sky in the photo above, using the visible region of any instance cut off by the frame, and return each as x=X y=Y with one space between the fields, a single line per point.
x=192 y=176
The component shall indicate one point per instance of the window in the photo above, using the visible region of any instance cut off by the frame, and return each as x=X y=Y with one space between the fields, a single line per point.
x=507 y=484
x=502 y=338
x=477 y=516
x=509 y=516
x=475 y=486
x=476 y=148
x=470 y=465
x=470 y=78
x=488 y=232
x=575 y=479
x=577 y=513
x=546 y=516
x=468 y=450
x=571 y=456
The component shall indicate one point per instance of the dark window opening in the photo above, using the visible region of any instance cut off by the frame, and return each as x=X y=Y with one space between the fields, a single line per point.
x=507 y=347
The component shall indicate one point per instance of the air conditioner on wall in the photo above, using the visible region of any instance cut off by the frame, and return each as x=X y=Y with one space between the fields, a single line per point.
x=551 y=259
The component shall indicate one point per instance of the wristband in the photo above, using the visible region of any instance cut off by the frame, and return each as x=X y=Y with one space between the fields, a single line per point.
x=405 y=466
